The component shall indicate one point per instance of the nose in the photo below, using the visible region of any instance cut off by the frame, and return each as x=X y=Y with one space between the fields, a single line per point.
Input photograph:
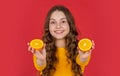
x=58 y=26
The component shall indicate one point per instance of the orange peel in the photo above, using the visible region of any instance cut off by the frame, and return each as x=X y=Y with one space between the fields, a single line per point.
x=37 y=44
x=85 y=44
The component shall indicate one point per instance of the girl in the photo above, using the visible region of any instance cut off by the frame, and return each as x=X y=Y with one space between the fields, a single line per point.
x=60 y=55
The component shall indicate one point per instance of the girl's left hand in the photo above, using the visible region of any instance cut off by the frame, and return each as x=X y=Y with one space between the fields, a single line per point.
x=84 y=55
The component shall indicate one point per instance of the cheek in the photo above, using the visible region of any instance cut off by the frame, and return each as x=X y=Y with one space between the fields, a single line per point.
x=67 y=28
x=51 y=29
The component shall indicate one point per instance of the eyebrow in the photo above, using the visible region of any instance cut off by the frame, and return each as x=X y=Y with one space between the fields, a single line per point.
x=60 y=19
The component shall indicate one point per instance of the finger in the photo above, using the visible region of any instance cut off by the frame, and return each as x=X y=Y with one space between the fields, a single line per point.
x=44 y=50
x=85 y=55
x=33 y=50
x=93 y=47
x=80 y=52
x=28 y=43
x=93 y=43
x=78 y=48
x=29 y=48
x=90 y=51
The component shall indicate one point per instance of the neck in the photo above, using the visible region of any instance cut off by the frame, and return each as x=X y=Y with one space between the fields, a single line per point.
x=60 y=43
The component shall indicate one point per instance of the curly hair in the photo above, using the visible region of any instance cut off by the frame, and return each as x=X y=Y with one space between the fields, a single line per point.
x=71 y=43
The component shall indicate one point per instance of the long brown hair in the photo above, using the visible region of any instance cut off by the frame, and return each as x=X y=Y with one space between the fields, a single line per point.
x=71 y=43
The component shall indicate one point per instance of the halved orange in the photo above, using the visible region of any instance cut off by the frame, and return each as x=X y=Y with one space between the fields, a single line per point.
x=85 y=44
x=37 y=44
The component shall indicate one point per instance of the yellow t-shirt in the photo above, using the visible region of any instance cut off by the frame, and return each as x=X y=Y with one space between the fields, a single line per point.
x=62 y=67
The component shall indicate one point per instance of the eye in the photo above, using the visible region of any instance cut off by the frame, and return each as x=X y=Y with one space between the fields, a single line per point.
x=64 y=21
x=52 y=22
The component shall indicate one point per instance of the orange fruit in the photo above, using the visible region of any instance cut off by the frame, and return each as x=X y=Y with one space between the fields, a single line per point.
x=85 y=44
x=37 y=44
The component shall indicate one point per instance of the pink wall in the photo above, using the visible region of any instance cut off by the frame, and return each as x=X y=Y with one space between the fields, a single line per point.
x=22 y=20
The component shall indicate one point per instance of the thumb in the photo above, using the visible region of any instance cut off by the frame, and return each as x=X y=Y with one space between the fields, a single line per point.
x=44 y=50
x=38 y=55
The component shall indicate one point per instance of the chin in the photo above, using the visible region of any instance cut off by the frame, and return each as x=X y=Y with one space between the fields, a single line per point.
x=59 y=38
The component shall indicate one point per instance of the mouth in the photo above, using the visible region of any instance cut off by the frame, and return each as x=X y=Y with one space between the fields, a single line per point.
x=59 y=31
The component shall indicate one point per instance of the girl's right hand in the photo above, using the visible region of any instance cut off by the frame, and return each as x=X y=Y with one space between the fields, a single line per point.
x=40 y=55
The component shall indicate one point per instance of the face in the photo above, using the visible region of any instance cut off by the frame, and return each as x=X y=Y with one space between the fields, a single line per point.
x=58 y=25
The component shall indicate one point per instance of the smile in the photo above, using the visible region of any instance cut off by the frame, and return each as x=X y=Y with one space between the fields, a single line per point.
x=59 y=31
